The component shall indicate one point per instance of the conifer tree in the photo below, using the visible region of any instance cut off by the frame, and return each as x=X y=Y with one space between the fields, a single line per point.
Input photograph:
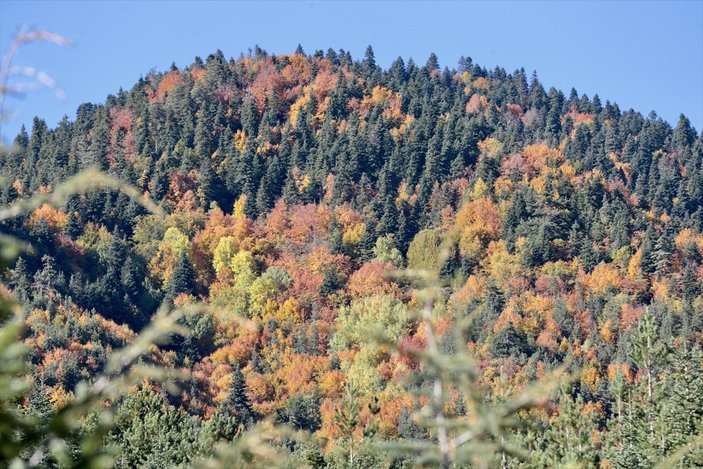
x=183 y=278
x=237 y=404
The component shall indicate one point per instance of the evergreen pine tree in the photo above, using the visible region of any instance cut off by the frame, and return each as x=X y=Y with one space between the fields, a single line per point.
x=237 y=404
x=183 y=278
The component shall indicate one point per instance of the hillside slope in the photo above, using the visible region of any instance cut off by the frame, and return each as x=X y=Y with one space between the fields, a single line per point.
x=295 y=185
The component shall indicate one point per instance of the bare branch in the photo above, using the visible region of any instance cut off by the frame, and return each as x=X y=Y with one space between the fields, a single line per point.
x=6 y=69
x=43 y=77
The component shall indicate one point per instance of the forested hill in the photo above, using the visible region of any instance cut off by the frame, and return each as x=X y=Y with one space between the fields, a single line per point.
x=295 y=185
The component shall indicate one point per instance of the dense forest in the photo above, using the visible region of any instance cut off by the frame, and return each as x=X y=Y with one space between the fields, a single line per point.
x=300 y=194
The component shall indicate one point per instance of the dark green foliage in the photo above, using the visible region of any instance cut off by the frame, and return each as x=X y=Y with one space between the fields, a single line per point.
x=237 y=404
x=302 y=412
x=331 y=281
x=152 y=433
x=183 y=277
x=508 y=343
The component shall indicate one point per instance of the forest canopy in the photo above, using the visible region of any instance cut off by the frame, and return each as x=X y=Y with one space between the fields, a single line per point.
x=307 y=199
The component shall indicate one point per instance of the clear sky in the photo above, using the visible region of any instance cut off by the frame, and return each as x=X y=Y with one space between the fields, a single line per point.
x=643 y=55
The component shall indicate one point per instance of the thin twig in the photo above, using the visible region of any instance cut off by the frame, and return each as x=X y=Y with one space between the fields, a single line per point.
x=438 y=387
x=6 y=69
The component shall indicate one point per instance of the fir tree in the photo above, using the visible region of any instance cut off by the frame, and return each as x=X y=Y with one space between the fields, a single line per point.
x=237 y=403
x=183 y=278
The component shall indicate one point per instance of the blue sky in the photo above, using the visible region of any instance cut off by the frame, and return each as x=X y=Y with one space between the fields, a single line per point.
x=643 y=55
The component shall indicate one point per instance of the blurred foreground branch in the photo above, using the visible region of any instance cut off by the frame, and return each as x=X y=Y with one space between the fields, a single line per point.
x=7 y=70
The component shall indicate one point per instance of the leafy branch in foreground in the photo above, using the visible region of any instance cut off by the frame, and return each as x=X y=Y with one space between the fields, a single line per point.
x=25 y=441
x=75 y=435
x=481 y=432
